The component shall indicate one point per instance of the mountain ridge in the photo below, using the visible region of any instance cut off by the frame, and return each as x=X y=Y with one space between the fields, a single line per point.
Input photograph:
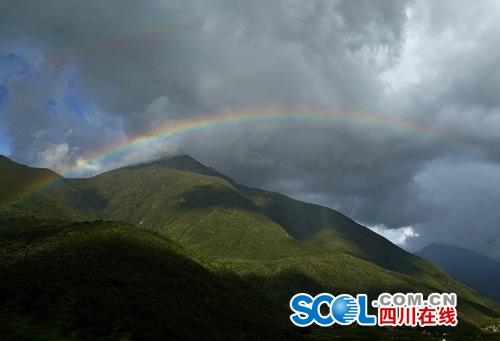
x=470 y=267
x=257 y=235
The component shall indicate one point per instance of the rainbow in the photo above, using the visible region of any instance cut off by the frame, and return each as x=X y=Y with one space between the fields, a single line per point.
x=241 y=117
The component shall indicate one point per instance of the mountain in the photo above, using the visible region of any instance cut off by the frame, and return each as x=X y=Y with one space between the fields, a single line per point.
x=92 y=279
x=468 y=266
x=39 y=192
x=272 y=245
x=258 y=233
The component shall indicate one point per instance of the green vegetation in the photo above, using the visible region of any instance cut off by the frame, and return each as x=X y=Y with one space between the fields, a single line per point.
x=254 y=249
x=41 y=193
x=90 y=280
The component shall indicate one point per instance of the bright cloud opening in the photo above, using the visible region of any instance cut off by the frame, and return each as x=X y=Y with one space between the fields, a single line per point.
x=398 y=236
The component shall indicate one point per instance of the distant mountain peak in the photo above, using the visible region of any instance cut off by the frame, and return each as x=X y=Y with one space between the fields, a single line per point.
x=181 y=162
x=469 y=266
x=443 y=248
x=187 y=163
x=182 y=159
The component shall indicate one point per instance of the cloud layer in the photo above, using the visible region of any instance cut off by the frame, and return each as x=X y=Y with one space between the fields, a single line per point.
x=76 y=76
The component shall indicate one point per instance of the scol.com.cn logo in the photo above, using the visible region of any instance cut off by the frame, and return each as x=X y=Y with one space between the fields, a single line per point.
x=411 y=309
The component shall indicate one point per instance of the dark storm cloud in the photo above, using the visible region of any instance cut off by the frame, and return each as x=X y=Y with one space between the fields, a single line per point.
x=468 y=194
x=210 y=54
x=146 y=63
x=104 y=70
x=364 y=172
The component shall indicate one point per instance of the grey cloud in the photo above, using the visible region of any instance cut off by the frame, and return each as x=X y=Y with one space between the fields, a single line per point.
x=368 y=175
x=204 y=55
x=142 y=64
x=468 y=194
x=201 y=56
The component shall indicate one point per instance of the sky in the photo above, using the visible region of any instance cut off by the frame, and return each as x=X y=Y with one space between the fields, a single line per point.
x=78 y=76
